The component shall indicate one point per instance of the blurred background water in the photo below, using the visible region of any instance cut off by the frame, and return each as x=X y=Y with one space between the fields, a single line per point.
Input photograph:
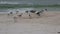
x=29 y=2
x=41 y=2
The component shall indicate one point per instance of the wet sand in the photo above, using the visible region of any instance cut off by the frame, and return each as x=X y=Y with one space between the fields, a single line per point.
x=45 y=24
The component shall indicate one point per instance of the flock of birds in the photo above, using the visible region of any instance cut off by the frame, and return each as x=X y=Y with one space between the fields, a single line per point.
x=28 y=12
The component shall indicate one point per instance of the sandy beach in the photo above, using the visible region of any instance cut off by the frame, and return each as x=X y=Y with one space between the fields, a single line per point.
x=45 y=24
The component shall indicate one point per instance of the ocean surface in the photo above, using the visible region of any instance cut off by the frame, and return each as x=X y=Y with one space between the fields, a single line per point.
x=29 y=2
x=41 y=2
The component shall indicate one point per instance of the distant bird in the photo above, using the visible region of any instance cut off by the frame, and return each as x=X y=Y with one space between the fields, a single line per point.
x=32 y=11
x=45 y=9
x=20 y=15
x=29 y=16
x=26 y=11
x=41 y=11
x=11 y=12
x=38 y=13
